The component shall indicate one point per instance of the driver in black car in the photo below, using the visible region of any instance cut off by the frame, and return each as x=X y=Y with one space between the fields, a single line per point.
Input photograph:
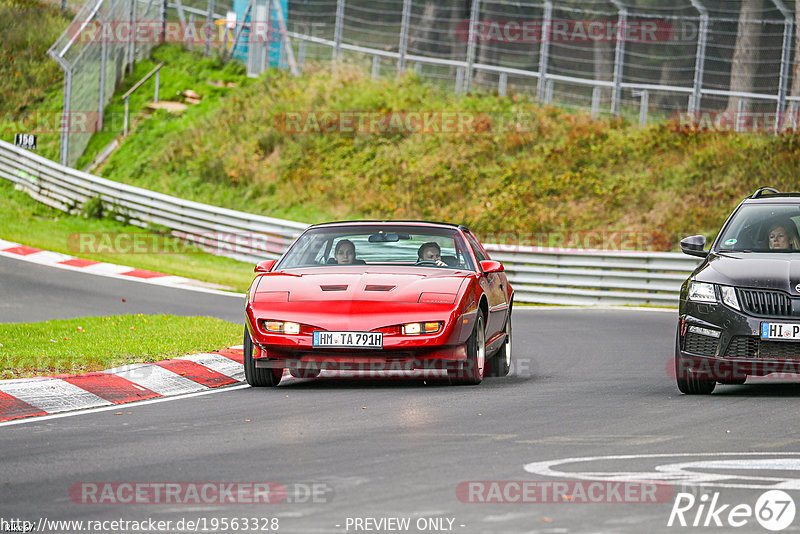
x=430 y=252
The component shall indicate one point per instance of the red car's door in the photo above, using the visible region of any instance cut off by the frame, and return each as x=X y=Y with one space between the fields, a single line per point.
x=495 y=287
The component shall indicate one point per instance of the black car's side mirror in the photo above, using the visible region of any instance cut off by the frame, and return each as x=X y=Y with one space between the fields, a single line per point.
x=694 y=245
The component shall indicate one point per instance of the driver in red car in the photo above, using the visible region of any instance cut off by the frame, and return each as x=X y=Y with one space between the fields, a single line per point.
x=345 y=253
x=430 y=251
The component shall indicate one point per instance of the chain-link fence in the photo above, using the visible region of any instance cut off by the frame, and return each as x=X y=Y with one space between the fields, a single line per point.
x=635 y=57
x=631 y=57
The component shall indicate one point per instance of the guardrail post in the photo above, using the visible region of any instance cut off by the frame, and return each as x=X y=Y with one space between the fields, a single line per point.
x=644 y=94
x=472 y=38
x=700 y=58
x=544 y=49
x=209 y=27
x=125 y=127
x=502 y=84
x=403 y=47
x=741 y=106
x=301 y=55
x=337 y=31
x=376 y=67
x=596 y=92
x=619 y=57
x=548 y=92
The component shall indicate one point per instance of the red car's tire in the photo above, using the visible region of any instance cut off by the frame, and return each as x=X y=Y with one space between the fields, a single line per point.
x=500 y=363
x=258 y=377
x=473 y=370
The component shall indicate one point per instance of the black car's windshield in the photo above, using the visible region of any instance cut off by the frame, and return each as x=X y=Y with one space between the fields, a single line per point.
x=378 y=245
x=762 y=228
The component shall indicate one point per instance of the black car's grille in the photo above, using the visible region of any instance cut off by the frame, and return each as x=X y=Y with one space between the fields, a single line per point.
x=754 y=347
x=742 y=347
x=765 y=303
x=700 y=344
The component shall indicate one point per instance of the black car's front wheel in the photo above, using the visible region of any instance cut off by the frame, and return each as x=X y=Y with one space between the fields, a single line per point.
x=255 y=376
x=687 y=377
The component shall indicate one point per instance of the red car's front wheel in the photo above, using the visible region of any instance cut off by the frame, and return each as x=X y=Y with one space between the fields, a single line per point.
x=258 y=377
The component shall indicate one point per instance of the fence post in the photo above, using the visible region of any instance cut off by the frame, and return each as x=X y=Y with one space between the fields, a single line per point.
x=101 y=90
x=65 y=116
x=786 y=54
x=741 y=105
x=548 y=92
x=209 y=26
x=337 y=32
x=132 y=46
x=163 y=30
x=700 y=59
x=459 y=80
x=502 y=86
x=619 y=56
x=403 y=48
x=544 y=49
x=473 y=18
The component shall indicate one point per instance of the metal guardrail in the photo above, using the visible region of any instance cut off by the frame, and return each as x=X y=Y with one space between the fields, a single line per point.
x=539 y=275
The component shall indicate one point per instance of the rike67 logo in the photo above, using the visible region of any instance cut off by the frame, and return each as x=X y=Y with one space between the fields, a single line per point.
x=774 y=510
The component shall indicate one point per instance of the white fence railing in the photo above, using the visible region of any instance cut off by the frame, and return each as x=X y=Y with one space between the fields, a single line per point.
x=539 y=275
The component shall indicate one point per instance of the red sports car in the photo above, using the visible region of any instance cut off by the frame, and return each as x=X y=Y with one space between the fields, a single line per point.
x=367 y=296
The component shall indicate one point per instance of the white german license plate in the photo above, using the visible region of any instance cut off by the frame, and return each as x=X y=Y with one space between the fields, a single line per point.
x=348 y=340
x=786 y=331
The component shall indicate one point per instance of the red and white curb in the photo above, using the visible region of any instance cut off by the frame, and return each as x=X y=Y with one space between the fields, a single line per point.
x=29 y=397
x=64 y=261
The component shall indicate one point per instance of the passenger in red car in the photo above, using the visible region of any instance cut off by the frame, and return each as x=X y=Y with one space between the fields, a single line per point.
x=345 y=253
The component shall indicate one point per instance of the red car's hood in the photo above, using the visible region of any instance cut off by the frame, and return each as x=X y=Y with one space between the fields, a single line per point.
x=373 y=283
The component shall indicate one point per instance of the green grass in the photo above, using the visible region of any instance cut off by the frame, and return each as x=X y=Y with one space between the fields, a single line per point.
x=26 y=221
x=68 y=346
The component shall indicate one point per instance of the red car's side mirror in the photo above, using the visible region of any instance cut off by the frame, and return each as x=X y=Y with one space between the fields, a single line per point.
x=264 y=266
x=491 y=266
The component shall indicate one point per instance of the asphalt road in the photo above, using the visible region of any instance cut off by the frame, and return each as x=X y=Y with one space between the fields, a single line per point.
x=586 y=384
x=31 y=292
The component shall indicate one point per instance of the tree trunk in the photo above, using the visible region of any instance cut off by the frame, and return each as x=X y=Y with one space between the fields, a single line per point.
x=746 y=54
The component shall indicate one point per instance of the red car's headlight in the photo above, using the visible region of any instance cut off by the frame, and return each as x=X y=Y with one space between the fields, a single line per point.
x=281 y=327
x=410 y=329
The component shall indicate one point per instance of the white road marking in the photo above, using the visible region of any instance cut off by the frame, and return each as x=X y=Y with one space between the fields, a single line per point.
x=218 y=363
x=53 y=395
x=156 y=378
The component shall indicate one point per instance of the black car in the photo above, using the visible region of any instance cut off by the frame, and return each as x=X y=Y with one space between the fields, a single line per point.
x=739 y=312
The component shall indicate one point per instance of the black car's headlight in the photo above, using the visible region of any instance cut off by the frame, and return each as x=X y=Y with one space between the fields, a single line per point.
x=705 y=292
x=702 y=292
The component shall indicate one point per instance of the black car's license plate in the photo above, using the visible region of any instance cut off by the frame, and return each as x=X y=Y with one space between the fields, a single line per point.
x=780 y=331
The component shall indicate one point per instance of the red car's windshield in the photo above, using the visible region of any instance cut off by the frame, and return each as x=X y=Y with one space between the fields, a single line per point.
x=378 y=245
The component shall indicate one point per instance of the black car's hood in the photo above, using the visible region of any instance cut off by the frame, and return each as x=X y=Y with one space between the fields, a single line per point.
x=774 y=270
